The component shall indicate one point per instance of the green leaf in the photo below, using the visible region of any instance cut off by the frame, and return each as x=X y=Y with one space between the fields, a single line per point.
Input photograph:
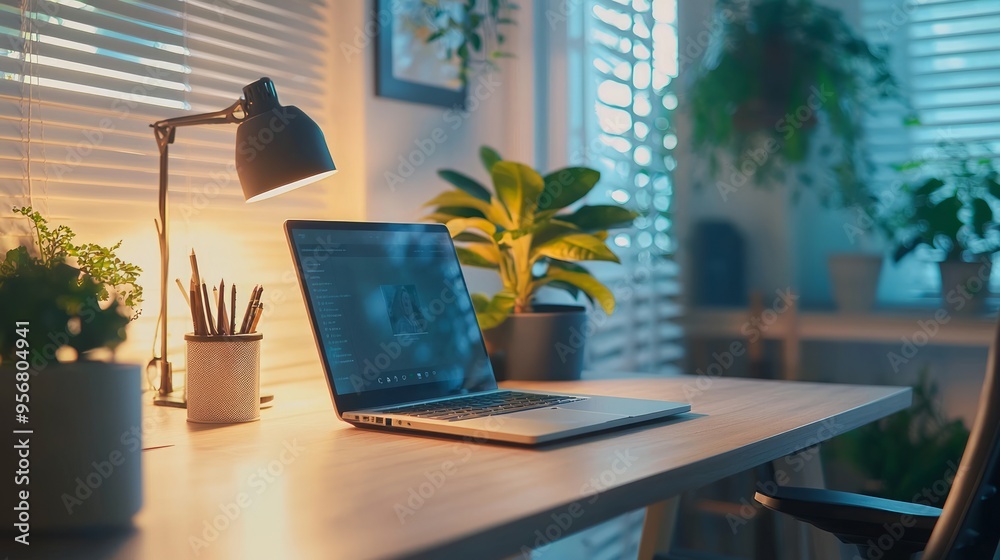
x=491 y=312
x=929 y=187
x=982 y=215
x=463 y=199
x=600 y=217
x=472 y=256
x=588 y=284
x=518 y=188
x=577 y=247
x=993 y=186
x=568 y=288
x=460 y=225
x=566 y=186
x=942 y=218
x=445 y=214
x=469 y=237
x=549 y=231
x=489 y=157
x=465 y=183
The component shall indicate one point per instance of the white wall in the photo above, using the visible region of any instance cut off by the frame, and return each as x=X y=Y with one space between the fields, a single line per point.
x=396 y=147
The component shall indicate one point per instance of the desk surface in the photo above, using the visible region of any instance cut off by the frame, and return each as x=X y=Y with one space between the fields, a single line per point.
x=301 y=484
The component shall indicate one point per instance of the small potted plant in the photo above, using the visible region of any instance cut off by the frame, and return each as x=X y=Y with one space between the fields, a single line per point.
x=948 y=210
x=523 y=230
x=66 y=307
x=786 y=82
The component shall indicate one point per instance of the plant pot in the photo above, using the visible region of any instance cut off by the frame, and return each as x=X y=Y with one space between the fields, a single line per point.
x=965 y=285
x=547 y=344
x=854 y=279
x=84 y=455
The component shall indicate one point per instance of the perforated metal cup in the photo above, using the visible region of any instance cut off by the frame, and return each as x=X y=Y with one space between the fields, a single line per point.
x=223 y=378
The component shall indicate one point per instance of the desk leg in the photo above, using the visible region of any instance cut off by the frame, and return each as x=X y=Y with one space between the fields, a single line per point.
x=796 y=539
x=658 y=528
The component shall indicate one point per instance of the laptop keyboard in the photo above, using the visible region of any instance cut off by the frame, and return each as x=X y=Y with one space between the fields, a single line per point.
x=477 y=406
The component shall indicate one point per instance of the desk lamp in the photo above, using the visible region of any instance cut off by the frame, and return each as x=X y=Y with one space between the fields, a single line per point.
x=278 y=149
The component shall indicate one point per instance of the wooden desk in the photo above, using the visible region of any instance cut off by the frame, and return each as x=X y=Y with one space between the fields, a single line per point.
x=300 y=484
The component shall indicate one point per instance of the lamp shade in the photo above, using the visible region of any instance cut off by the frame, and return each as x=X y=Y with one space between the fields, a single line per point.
x=278 y=148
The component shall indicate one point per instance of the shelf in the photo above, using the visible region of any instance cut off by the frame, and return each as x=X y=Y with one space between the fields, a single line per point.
x=878 y=326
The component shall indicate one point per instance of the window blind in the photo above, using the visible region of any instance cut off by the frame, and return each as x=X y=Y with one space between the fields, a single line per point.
x=946 y=56
x=82 y=81
x=630 y=61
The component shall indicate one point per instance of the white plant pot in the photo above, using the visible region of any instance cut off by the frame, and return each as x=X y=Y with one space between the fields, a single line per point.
x=965 y=285
x=85 y=449
x=854 y=278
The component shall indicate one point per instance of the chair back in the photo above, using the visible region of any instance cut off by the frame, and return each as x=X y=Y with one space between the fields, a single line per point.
x=969 y=526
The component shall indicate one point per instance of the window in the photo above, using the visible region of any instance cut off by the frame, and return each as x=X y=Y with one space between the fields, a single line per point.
x=946 y=56
x=81 y=82
x=629 y=62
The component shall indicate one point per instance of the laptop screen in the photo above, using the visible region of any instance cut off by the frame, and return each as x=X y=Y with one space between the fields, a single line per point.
x=390 y=310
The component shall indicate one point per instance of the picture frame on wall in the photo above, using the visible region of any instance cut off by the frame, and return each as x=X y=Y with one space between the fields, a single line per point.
x=406 y=66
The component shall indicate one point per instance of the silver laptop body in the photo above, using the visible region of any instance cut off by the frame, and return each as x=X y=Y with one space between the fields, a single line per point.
x=398 y=338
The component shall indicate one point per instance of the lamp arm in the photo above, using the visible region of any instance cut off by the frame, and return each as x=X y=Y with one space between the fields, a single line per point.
x=227 y=115
x=164 y=132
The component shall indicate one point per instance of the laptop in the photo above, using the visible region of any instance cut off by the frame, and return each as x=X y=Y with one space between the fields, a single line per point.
x=398 y=338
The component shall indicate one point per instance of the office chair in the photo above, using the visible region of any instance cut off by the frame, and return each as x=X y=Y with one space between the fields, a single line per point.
x=967 y=528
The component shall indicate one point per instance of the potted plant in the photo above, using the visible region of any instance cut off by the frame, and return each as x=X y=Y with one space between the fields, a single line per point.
x=947 y=208
x=62 y=301
x=776 y=71
x=786 y=83
x=523 y=230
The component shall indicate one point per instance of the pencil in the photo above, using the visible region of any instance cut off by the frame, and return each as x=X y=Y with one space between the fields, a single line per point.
x=194 y=313
x=247 y=313
x=256 y=317
x=184 y=293
x=200 y=302
x=223 y=318
x=208 y=309
x=196 y=309
x=232 y=312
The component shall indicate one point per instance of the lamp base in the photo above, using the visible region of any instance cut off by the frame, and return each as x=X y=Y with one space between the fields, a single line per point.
x=177 y=400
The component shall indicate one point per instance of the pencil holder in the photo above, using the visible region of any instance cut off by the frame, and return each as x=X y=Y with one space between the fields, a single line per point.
x=223 y=378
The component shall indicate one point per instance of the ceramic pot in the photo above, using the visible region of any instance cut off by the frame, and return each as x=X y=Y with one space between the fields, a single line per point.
x=854 y=279
x=547 y=344
x=965 y=285
x=83 y=456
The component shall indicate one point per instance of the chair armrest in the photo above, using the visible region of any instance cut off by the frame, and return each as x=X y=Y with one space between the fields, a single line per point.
x=854 y=518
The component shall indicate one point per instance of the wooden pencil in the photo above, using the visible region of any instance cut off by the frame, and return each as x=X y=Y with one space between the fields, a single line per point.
x=194 y=311
x=232 y=311
x=256 y=317
x=223 y=318
x=208 y=309
x=247 y=314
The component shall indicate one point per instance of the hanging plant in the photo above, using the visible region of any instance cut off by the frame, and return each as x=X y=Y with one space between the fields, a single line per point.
x=470 y=30
x=781 y=75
